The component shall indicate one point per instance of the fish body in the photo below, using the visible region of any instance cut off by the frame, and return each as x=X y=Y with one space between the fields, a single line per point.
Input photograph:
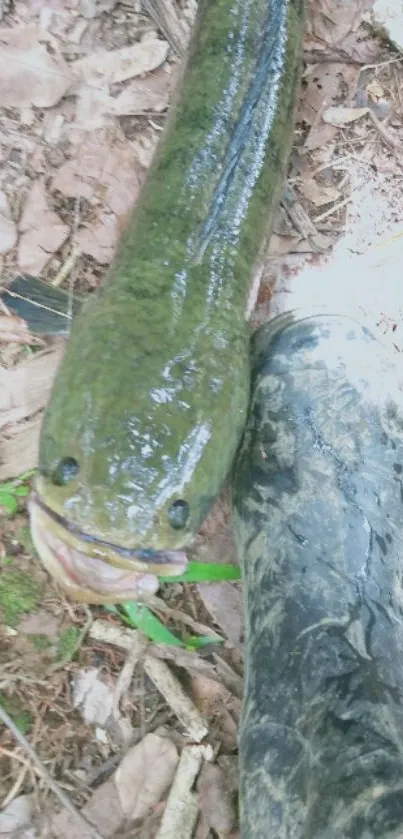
x=149 y=403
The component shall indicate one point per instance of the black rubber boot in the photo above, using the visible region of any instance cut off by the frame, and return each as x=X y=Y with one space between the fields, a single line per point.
x=319 y=517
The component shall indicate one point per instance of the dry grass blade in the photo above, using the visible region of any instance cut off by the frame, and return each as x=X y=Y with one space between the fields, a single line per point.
x=165 y=16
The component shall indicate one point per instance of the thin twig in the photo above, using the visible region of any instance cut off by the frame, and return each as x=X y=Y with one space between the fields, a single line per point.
x=333 y=210
x=172 y=691
x=159 y=606
x=389 y=139
x=63 y=798
x=385 y=63
x=126 y=674
x=18 y=782
x=181 y=809
x=67 y=267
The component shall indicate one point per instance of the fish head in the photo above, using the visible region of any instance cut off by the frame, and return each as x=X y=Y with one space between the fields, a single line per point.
x=128 y=469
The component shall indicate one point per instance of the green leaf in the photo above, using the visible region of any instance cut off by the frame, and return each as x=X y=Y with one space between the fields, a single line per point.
x=21 y=491
x=66 y=642
x=19 y=593
x=10 y=491
x=205 y=572
x=20 y=716
x=196 y=643
x=110 y=608
x=8 y=486
x=27 y=475
x=9 y=503
x=141 y=617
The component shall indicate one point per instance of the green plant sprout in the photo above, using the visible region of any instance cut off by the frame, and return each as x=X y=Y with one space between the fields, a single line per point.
x=12 y=491
x=139 y=616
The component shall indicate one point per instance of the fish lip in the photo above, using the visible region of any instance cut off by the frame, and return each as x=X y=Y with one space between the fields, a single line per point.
x=92 y=578
x=147 y=556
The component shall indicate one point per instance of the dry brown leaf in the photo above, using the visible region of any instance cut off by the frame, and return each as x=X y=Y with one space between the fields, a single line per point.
x=92 y=696
x=280 y=246
x=319 y=135
x=216 y=800
x=25 y=389
x=103 y=811
x=92 y=8
x=17 y=815
x=15 y=330
x=318 y=90
x=334 y=27
x=321 y=158
x=218 y=705
x=33 y=71
x=106 y=173
x=113 y=66
x=42 y=231
x=363 y=47
x=40 y=623
x=330 y=21
x=95 y=107
x=145 y=774
x=150 y=94
x=322 y=86
x=19 y=452
x=340 y=115
x=215 y=540
x=225 y=603
x=318 y=194
x=99 y=240
x=8 y=230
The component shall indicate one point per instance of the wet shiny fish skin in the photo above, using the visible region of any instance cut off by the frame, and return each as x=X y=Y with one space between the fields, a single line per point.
x=151 y=396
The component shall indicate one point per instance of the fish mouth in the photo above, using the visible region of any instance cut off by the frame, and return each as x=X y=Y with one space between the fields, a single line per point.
x=92 y=570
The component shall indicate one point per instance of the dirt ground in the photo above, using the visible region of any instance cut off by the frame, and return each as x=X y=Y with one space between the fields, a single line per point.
x=83 y=98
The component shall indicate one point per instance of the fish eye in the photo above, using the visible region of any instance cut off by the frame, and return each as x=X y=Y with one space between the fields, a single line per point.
x=178 y=514
x=65 y=471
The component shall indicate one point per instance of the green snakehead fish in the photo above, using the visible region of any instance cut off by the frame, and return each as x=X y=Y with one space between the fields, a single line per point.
x=150 y=400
